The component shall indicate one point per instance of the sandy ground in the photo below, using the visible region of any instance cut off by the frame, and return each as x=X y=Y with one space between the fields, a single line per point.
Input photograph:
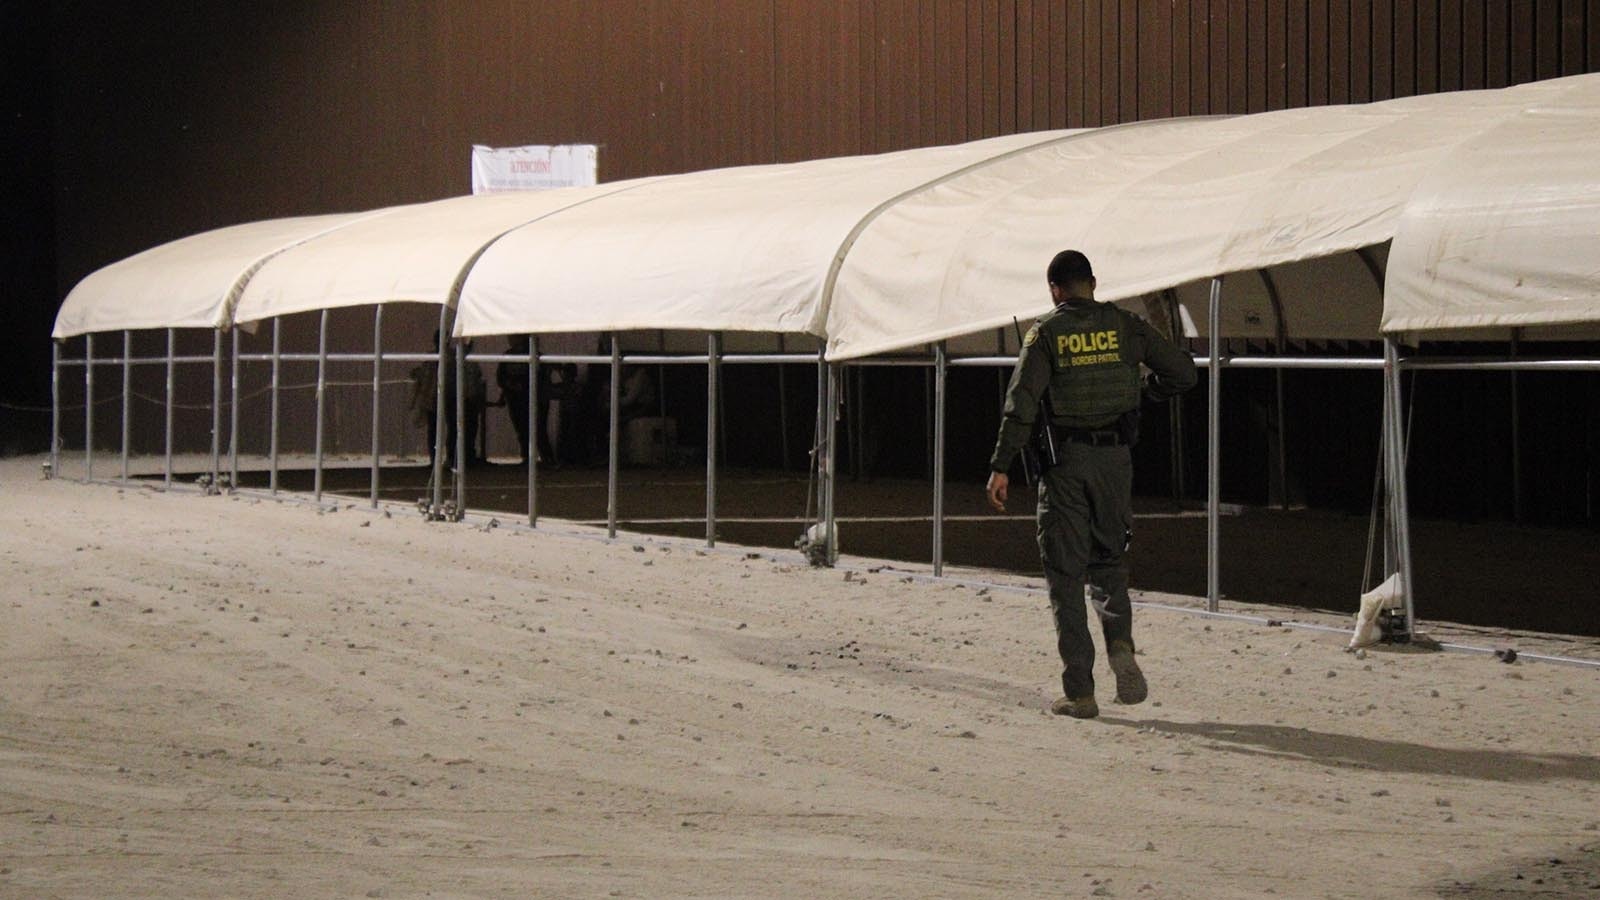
x=237 y=696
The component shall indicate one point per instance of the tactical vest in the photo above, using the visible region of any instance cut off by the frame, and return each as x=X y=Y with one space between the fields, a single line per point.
x=1095 y=375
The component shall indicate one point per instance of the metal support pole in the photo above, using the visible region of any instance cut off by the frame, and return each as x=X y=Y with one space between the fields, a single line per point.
x=535 y=428
x=88 y=407
x=437 y=509
x=831 y=467
x=172 y=352
x=216 y=407
x=939 y=405
x=1400 y=521
x=233 y=418
x=1283 y=452
x=55 y=409
x=127 y=396
x=277 y=366
x=377 y=397
x=463 y=452
x=820 y=431
x=614 y=441
x=713 y=400
x=1214 y=449
x=1516 y=433
x=322 y=393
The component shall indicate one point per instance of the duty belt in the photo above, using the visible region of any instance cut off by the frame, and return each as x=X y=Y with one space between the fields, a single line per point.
x=1097 y=437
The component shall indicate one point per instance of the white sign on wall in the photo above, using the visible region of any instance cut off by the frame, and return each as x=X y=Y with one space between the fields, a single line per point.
x=533 y=168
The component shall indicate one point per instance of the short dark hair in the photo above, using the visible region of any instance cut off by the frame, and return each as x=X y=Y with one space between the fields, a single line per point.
x=1069 y=267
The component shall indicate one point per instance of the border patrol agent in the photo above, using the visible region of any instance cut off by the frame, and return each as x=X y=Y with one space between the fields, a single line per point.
x=1079 y=372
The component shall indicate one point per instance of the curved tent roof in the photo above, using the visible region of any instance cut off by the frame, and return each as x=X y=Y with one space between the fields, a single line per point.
x=885 y=252
x=188 y=283
x=411 y=254
x=743 y=249
x=1506 y=233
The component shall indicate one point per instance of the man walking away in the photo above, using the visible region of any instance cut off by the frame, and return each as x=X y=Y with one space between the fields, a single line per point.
x=1078 y=379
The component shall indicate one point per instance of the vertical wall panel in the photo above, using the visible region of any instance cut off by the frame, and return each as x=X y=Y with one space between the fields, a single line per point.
x=1547 y=38
x=1051 y=55
x=1360 y=51
x=1277 y=26
x=1082 y=23
x=1592 y=29
x=1427 y=46
x=1027 y=78
x=1318 y=46
x=1110 y=64
x=1338 y=51
x=1405 y=47
x=1497 y=53
x=1474 y=46
x=1238 y=56
x=1152 y=48
x=1181 y=30
x=1002 y=92
x=1572 y=37
x=1522 y=50
x=1382 y=49
x=1259 y=56
x=1297 y=80
x=1218 y=63
x=818 y=74
x=1451 y=46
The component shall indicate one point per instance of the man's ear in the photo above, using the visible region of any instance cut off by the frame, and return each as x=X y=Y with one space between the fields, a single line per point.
x=1093 y=283
x=1055 y=292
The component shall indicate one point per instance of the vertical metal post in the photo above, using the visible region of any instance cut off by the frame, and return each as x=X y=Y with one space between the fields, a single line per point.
x=127 y=396
x=277 y=365
x=88 y=407
x=1400 y=522
x=820 y=431
x=713 y=401
x=322 y=392
x=1214 y=449
x=535 y=428
x=1283 y=452
x=614 y=441
x=55 y=408
x=216 y=406
x=1516 y=433
x=443 y=334
x=172 y=352
x=939 y=406
x=831 y=467
x=1175 y=405
x=233 y=418
x=377 y=397
x=463 y=452
x=783 y=411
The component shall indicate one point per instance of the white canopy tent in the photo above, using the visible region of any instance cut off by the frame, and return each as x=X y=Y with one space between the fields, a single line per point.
x=881 y=254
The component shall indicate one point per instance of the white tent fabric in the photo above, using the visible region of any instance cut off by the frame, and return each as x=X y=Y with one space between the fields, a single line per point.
x=887 y=252
x=744 y=249
x=188 y=283
x=416 y=254
x=1153 y=205
x=1506 y=233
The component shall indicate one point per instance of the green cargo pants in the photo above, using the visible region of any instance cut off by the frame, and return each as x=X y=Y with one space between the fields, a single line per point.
x=1085 y=520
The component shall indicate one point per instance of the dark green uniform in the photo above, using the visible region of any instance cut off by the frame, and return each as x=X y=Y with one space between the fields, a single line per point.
x=1082 y=360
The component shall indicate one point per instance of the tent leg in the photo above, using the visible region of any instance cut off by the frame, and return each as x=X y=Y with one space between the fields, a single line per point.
x=55 y=409
x=436 y=510
x=172 y=342
x=277 y=367
x=1400 y=521
x=713 y=402
x=377 y=397
x=830 y=475
x=1214 y=449
x=322 y=394
x=233 y=416
x=463 y=452
x=535 y=428
x=127 y=396
x=88 y=407
x=216 y=409
x=820 y=431
x=614 y=442
x=939 y=407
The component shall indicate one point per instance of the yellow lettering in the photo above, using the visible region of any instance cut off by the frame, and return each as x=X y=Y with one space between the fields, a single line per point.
x=1061 y=344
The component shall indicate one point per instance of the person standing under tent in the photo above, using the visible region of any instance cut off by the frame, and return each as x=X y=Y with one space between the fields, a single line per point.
x=1079 y=369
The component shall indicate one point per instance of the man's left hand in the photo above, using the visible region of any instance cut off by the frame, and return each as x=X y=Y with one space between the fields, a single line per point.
x=999 y=482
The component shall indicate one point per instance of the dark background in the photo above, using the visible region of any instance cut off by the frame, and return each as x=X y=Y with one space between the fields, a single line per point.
x=127 y=125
